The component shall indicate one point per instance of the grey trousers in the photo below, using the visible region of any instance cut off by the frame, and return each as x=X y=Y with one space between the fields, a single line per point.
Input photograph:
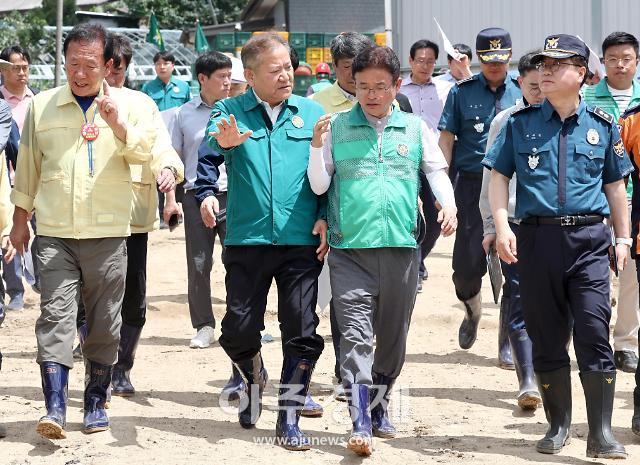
x=68 y=267
x=374 y=291
x=199 y=242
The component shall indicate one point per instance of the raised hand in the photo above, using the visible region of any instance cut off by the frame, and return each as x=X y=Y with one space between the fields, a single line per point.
x=228 y=134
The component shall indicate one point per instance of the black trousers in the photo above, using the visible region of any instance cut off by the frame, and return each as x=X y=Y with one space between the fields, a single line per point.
x=469 y=262
x=431 y=218
x=250 y=271
x=564 y=275
x=134 y=304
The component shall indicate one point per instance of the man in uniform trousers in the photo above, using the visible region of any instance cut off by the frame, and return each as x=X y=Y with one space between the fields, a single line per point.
x=275 y=230
x=570 y=163
x=471 y=106
x=369 y=160
x=73 y=171
x=164 y=170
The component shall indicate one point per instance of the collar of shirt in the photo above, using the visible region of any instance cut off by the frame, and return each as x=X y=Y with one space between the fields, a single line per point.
x=409 y=81
x=548 y=111
x=501 y=87
x=274 y=112
x=8 y=95
x=197 y=101
x=347 y=95
x=602 y=89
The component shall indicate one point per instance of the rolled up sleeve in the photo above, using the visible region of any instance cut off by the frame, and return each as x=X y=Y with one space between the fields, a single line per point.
x=27 y=178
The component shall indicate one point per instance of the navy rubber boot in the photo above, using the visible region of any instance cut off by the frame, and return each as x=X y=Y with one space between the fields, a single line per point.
x=360 y=440
x=311 y=408
x=294 y=387
x=528 y=395
x=55 y=378
x=380 y=395
x=97 y=381
x=255 y=378
x=120 y=379
x=505 y=359
x=235 y=386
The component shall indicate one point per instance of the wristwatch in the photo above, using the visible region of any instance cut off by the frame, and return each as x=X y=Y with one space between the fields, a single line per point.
x=624 y=240
x=173 y=170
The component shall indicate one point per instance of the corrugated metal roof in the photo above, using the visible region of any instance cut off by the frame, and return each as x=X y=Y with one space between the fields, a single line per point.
x=21 y=5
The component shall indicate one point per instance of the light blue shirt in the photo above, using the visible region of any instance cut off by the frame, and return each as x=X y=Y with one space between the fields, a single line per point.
x=187 y=131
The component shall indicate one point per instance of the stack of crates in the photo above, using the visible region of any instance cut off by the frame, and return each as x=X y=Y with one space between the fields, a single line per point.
x=298 y=41
x=301 y=84
x=381 y=39
x=226 y=42
x=328 y=37
x=315 y=49
x=283 y=34
x=241 y=39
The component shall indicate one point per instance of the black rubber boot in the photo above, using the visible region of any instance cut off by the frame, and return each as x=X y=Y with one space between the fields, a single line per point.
x=380 y=394
x=235 y=386
x=521 y=347
x=120 y=380
x=294 y=386
x=505 y=359
x=635 y=421
x=555 y=387
x=360 y=440
x=599 y=391
x=255 y=379
x=97 y=381
x=469 y=327
x=55 y=389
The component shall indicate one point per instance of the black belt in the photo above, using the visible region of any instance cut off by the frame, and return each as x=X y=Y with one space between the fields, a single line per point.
x=470 y=175
x=569 y=220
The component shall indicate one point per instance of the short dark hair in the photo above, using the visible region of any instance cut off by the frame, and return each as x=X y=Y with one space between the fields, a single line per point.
x=259 y=44
x=166 y=56
x=526 y=62
x=17 y=49
x=295 y=58
x=461 y=48
x=620 y=38
x=582 y=61
x=377 y=57
x=121 y=50
x=210 y=62
x=348 y=45
x=424 y=43
x=90 y=33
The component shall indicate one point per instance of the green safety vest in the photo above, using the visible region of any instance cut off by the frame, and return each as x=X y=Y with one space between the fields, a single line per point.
x=373 y=197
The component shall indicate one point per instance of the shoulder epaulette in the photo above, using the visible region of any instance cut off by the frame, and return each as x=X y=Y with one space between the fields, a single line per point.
x=608 y=117
x=631 y=111
x=524 y=109
x=469 y=79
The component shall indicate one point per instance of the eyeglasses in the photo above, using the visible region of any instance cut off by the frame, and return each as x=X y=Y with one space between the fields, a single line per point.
x=613 y=61
x=18 y=68
x=555 y=66
x=379 y=90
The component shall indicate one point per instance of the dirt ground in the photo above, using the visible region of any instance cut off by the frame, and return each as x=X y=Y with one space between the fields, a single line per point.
x=451 y=406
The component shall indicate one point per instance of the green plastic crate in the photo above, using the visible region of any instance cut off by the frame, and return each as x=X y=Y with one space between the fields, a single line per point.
x=242 y=38
x=226 y=42
x=315 y=40
x=302 y=53
x=328 y=37
x=301 y=84
x=298 y=40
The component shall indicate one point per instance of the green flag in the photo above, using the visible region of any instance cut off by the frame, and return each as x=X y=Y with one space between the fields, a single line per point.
x=154 y=36
x=201 y=41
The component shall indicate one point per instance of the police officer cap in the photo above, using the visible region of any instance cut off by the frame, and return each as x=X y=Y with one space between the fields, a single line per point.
x=493 y=45
x=562 y=46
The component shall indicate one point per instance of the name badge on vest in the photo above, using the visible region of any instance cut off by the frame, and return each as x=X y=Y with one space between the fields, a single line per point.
x=403 y=150
x=593 y=137
x=533 y=161
x=297 y=121
x=176 y=90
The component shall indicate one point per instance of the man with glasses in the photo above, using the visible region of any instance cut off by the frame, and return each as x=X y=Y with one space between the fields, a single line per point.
x=471 y=106
x=614 y=94
x=570 y=163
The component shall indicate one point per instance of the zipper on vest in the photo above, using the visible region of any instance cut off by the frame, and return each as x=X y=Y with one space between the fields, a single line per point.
x=380 y=150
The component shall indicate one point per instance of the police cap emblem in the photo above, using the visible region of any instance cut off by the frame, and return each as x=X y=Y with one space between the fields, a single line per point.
x=552 y=42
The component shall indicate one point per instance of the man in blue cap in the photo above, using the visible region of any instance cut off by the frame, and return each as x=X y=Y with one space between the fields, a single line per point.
x=471 y=106
x=570 y=163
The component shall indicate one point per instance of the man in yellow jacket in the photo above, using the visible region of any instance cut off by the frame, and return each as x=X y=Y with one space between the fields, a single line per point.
x=73 y=171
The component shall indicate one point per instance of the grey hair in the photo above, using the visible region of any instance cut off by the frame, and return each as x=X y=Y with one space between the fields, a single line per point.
x=258 y=45
x=348 y=45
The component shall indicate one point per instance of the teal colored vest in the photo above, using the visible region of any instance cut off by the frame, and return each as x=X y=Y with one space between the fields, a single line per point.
x=373 y=197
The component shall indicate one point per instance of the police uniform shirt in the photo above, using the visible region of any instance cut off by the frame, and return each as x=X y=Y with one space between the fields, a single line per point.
x=561 y=167
x=470 y=107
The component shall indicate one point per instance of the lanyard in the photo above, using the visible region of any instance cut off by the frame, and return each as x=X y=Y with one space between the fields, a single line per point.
x=90 y=133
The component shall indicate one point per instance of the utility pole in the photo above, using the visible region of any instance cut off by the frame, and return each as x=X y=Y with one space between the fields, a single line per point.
x=213 y=11
x=58 y=43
